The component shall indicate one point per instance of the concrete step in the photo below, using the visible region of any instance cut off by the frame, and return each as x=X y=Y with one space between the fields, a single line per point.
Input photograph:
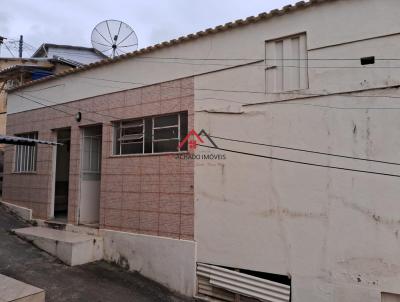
x=71 y=248
x=17 y=291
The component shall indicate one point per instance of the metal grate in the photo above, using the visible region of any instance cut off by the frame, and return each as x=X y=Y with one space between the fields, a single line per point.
x=223 y=284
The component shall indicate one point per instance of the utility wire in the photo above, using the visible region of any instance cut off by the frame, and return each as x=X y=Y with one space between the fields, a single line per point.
x=227 y=139
x=250 y=61
x=290 y=102
x=9 y=50
x=76 y=108
x=347 y=94
x=54 y=108
x=235 y=59
x=302 y=163
x=269 y=157
x=305 y=150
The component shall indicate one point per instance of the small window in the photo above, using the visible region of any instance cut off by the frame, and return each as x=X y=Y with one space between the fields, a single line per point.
x=25 y=156
x=156 y=134
x=286 y=64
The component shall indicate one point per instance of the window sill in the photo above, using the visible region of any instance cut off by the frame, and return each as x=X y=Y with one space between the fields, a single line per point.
x=148 y=154
x=28 y=173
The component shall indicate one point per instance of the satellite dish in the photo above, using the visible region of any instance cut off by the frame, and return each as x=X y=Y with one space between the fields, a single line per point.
x=113 y=38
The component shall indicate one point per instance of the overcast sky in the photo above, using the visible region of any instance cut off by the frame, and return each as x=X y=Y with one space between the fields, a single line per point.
x=71 y=21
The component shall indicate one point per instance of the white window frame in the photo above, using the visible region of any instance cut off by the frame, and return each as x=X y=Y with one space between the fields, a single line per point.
x=25 y=156
x=118 y=125
x=153 y=127
x=97 y=169
x=136 y=126
x=282 y=65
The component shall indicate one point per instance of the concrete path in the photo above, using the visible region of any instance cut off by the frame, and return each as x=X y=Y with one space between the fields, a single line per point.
x=95 y=282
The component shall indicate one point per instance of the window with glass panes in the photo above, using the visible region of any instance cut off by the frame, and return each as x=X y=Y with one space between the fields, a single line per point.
x=25 y=156
x=155 y=134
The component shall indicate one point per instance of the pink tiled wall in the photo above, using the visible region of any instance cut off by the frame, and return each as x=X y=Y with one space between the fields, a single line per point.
x=147 y=194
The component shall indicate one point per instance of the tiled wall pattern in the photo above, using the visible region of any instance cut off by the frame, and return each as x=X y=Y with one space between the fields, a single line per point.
x=146 y=194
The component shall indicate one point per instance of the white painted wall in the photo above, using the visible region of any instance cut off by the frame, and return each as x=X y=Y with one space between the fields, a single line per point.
x=334 y=232
x=168 y=261
x=84 y=56
x=326 y=24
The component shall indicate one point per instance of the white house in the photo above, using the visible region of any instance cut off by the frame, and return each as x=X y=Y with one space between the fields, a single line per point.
x=296 y=194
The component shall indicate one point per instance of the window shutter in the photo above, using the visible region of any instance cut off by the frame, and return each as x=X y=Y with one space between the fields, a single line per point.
x=286 y=64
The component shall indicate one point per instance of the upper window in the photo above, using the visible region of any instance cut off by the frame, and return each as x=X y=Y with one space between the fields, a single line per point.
x=25 y=156
x=286 y=64
x=155 y=134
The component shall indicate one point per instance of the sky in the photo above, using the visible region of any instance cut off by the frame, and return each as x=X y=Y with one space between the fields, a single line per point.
x=72 y=21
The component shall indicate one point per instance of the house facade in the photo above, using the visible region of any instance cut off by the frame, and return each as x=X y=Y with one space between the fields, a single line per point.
x=292 y=192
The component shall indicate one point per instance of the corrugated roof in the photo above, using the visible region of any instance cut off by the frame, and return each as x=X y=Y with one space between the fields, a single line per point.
x=221 y=28
x=16 y=140
x=45 y=46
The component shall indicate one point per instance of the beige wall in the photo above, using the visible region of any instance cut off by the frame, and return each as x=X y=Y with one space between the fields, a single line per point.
x=168 y=261
x=334 y=232
x=326 y=24
x=149 y=194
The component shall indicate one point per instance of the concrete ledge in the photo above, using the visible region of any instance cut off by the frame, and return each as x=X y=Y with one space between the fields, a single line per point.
x=22 y=212
x=170 y=262
x=17 y=291
x=71 y=248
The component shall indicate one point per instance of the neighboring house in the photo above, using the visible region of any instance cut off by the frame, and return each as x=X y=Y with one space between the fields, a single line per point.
x=48 y=59
x=83 y=55
x=321 y=76
x=17 y=71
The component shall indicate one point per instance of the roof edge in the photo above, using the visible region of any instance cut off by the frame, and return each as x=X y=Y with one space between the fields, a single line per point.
x=190 y=37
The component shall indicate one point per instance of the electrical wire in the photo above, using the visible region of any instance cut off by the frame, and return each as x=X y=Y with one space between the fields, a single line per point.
x=53 y=107
x=271 y=157
x=235 y=59
x=249 y=61
x=225 y=138
x=295 y=94
x=305 y=150
x=76 y=108
x=9 y=50
x=301 y=162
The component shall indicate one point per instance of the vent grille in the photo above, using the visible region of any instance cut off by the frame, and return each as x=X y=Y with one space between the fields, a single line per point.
x=206 y=289
x=221 y=284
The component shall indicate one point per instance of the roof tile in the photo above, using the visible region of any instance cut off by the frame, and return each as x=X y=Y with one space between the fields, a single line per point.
x=240 y=22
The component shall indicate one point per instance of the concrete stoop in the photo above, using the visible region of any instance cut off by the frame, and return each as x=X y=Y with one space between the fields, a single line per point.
x=17 y=291
x=71 y=248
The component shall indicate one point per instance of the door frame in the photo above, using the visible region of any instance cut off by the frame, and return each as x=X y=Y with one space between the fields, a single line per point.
x=81 y=155
x=54 y=170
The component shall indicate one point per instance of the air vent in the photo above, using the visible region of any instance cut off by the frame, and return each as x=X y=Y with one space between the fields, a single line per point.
x=220 y=284
x=367 y=60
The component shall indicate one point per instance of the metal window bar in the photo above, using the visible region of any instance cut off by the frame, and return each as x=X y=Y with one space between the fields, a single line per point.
x=123 y=138
x=23 y=161
x=25 y=156
x=143 y=138
x=127 y=138
x=179 y=130
x=16 y=159
x=152 y=135
x=28 y=158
